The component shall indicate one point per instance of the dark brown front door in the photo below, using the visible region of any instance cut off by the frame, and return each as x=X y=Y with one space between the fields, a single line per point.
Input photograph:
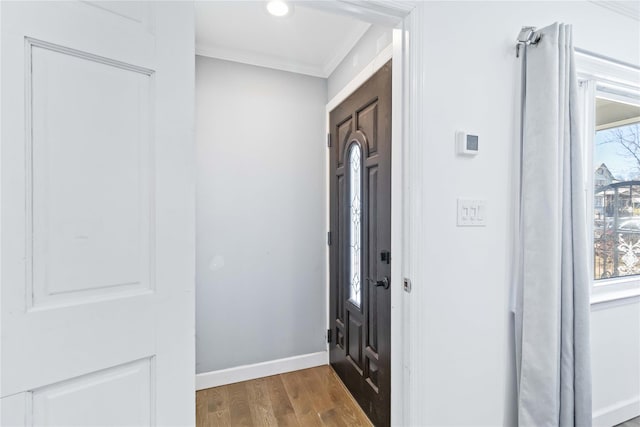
x=360 y=259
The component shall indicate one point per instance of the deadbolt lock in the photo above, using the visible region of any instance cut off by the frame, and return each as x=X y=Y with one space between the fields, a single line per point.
x=383 y=283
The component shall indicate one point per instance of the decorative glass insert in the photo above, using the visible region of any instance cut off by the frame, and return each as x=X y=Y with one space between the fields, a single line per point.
x=355 y=221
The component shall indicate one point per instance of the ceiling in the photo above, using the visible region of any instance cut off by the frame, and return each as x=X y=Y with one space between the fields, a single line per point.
x=611 y=113
x=308 y=41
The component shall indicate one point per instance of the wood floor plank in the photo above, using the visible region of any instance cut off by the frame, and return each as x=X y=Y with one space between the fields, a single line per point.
x=311 y=397
x=202 y=414
x=330 y=382
x=282 y=408
x=353 y=415
x=346 y=405
x=322 y=400
x=239 y=409
x=218 y=419
x=301 y=398
x=217 y=398
x=333 y=418
x=212 y=408
x=260 y=403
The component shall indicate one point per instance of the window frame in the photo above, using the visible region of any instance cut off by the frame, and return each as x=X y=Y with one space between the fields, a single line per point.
x=603 y=77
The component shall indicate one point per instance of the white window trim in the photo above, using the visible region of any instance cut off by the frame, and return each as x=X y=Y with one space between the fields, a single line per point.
x=599 y=75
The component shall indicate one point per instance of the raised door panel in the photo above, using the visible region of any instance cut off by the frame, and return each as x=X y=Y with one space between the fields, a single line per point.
x=367 y=118
x=91 y=188
x=119 y=396
x=343 y=131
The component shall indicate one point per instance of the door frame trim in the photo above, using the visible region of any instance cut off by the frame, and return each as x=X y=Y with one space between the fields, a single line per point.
x=406 y=203
x=369 y=70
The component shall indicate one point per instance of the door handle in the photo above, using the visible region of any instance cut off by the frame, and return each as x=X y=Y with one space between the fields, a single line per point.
x=385 y=283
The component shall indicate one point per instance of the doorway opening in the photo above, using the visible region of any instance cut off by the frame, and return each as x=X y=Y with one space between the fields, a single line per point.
x=264 y=93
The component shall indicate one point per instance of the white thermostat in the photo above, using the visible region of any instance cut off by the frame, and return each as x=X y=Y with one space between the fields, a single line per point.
x=466 y=143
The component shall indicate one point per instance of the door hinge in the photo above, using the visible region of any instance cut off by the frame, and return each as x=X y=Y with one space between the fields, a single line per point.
x=329 y=238
x=329 y=140
x=329 y=336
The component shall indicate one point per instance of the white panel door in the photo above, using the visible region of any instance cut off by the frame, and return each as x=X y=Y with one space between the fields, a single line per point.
x=96 y=213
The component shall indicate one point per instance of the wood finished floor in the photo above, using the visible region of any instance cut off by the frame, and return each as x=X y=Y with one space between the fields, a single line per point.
x=310 y=397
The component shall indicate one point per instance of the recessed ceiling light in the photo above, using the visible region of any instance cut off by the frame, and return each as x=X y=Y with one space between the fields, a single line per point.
x=278 y=8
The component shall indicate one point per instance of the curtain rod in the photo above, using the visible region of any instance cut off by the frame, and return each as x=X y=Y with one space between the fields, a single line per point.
x=529 y=36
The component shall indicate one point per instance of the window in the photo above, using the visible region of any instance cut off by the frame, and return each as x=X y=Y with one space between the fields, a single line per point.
x=355 y=221
x=616 y=204
x=611 y=94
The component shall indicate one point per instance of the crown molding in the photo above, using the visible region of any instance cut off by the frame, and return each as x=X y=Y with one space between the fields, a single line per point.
x=283 y=64
x=383 y=12
x=260 y=60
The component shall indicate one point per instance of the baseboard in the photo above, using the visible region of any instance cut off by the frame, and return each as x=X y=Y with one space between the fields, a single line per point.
x=259 y=370
x=617 y=413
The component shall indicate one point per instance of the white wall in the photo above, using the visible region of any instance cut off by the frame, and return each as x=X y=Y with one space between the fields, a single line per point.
x=368 y=47
x=471 y=82
x=616 y=361
x=260 y=214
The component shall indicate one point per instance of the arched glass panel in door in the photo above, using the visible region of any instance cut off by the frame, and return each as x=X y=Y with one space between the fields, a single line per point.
x=355 y=223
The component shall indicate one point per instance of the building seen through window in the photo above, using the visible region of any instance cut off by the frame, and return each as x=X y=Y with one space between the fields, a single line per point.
x=616 y=180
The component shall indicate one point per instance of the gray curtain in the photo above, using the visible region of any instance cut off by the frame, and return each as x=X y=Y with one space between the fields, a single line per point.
x=552 y=291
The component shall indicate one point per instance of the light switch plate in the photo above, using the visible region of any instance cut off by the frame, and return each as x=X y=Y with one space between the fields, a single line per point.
x=472 y=213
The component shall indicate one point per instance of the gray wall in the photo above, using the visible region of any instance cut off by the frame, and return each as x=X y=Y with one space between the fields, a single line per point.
x=372 y=42
x=260 y=214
